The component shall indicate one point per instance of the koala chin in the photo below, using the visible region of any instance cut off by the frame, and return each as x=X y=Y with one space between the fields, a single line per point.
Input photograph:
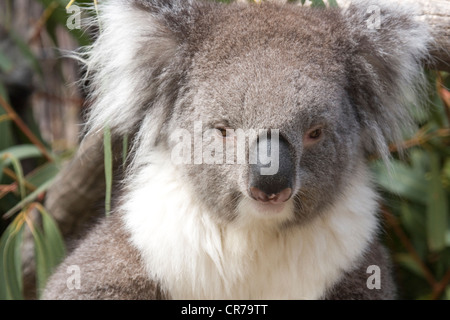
x=319 y=89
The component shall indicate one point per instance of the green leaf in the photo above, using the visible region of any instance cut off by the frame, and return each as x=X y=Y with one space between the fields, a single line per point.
x=49 y=248
x=318 y=3
x=54 y=240
x=401 y=180
x=108 y=168
x=333 y=3
x=15 y=153
x=447 y=238
x=43 y=173
x=41 y=258
x=19 y=174
x=29 y=198
x=446 y=171
x=23 y=151
x=437 y=207
x=10 y=263
x=59 y=18
x=413 y=220
x=409 y=263
x=6 y=64
x=6 y=136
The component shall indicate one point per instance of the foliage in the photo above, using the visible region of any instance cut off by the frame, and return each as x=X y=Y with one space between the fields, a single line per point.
x=415 y=188
x=416 y=197
x=27 y=164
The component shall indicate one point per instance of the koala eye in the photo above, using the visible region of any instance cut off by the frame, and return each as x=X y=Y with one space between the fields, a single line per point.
x=222 y=131
x=313 y=135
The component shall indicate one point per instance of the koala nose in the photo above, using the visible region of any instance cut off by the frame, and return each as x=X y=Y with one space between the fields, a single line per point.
x=280 y=197
x=271 y=178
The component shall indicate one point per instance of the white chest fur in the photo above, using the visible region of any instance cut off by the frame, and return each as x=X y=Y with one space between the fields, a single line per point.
x=195 y=258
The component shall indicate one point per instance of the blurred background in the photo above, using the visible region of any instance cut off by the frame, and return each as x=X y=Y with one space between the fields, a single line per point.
x=41 y=109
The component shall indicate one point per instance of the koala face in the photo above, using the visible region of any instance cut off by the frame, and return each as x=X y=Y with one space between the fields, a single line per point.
x=259 y=81
x=325 y=90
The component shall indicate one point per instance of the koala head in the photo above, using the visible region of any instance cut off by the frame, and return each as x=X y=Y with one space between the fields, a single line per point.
x=318 y=90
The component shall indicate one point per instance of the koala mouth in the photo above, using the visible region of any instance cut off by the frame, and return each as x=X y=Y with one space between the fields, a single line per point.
x=269 y=208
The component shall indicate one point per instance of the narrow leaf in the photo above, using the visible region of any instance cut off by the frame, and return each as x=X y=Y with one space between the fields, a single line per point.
x=5 y=63
x=318 y=3
x=29 y=198
x=6 y=136
x=42 y=174
x=333 y=3
x=402 y=180
x=10 y=263
x=108 y=168
x=53 y=238
x=19 y=173
x=20 y=152
x=41 y=258
x=437 y=207
x=409 y=263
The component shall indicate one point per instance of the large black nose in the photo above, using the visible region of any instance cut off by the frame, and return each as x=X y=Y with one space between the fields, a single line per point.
x=271 y=177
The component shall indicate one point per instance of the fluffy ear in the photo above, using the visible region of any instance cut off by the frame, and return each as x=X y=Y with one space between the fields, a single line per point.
x=135 y=63
x=391 y=45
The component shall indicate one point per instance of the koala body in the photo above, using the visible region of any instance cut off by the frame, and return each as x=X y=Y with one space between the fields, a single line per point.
x=330 y=89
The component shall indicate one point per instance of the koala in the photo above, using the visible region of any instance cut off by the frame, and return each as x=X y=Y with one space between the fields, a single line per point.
x=251 y=128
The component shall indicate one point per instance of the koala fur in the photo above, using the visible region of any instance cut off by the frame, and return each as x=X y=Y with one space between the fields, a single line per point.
x=194 y=231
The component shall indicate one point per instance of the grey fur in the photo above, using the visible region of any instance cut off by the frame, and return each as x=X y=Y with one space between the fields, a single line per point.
x=250 y=66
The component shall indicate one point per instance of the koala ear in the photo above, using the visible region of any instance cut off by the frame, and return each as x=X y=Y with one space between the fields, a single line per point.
x=391 y=45
x=134 y=64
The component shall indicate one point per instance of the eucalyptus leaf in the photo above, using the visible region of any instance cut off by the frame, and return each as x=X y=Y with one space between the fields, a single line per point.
x=401 y=180
x=6 y=136
x=29 y=198
x=49 y=247
x=437 y=207
x=40 y=175
x=413 y=220
x=41 y=258
x=53 y=239
x=318 y=3
x=333 y=3
x=409 y=263
x=15 y=153
x=19 y=174
x=20 y=152
x=6 y=64
x=108 y=158
x=10 y=263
